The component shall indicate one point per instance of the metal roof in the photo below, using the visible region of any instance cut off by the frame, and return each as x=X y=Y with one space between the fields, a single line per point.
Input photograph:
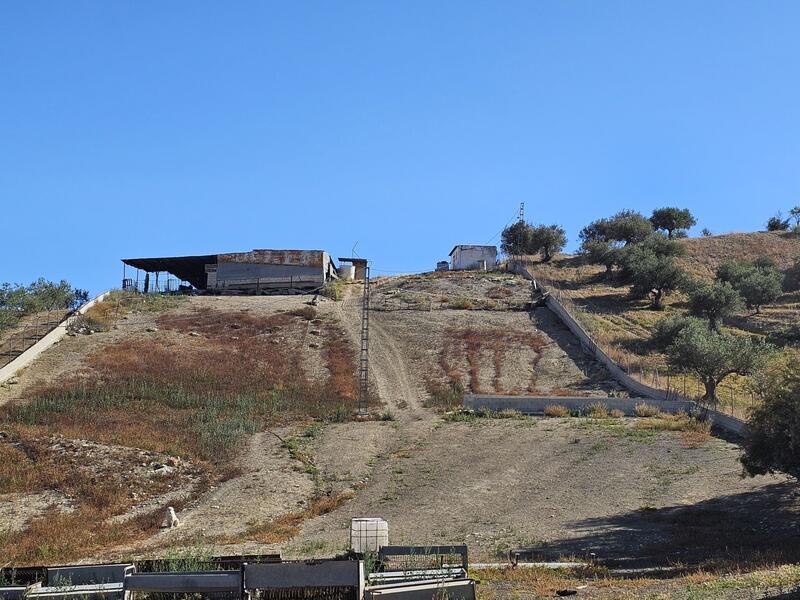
x=187 y=268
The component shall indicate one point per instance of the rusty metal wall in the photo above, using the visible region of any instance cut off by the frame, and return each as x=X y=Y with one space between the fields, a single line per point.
x=299 y=258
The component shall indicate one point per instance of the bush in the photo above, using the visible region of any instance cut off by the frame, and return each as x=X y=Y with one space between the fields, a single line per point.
x=596 y=410
x=772 y=438
x=645 y=410
x=445 y=396
x=791 y=281
x=461 y=303
x=556 y=410
x=713 y=300
x=777 y=223
x=616 y=414
x=334 y=289
x=41 y=295
x=788 y=336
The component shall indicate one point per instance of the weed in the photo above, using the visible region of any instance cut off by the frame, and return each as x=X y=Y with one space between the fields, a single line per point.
x=387 y=415
x=645 y=410
x=334 y=289
x=616 y=414
x=596 y=410
x=556 y=410
x=445 y=397
x=461 y=303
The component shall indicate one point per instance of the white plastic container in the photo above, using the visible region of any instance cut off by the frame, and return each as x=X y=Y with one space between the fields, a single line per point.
x=347 y=272
x=368 y=534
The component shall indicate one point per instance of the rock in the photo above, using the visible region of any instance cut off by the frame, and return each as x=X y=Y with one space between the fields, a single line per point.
x=152 y=329
x=194 y=334
x=12 y=381
x=173 y=461
x=313 y=345
x=314 y=332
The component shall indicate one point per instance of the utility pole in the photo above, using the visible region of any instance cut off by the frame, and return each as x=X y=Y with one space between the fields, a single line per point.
x=363 y=361
x=521 y=220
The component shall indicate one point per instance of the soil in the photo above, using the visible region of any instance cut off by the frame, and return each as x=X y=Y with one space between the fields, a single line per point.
x=559 y=488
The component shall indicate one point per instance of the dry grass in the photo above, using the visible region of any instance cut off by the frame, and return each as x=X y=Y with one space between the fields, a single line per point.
x=645 y=410
x=287 y=526
x=556 y=410
x=597 y=410
x=241 y=375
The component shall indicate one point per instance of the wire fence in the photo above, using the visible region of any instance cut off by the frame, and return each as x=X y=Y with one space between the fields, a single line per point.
x=731 y=400
x=29 y=329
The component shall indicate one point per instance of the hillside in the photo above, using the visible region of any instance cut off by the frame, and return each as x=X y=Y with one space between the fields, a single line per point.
x=623 y=326
x=238 y=412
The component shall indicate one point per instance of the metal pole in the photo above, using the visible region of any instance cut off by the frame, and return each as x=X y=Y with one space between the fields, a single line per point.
x=363 y=366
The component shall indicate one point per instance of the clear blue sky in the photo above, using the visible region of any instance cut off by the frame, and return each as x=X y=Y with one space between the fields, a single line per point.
x=167 y=128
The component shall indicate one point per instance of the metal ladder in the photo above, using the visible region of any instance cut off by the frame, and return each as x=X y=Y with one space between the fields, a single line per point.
x=363 y=361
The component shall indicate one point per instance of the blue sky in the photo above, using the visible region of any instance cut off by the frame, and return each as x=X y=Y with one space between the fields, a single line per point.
x=153 y=128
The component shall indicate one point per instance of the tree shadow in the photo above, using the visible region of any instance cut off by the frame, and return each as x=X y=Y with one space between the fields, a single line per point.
x=751 y=529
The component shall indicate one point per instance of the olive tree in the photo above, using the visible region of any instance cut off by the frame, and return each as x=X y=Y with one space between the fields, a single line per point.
x=547 y=239
x=772 y=437
x=515 y=239
x=713 y=356
x=652 y=275
x=712 y=300
x=672 y=219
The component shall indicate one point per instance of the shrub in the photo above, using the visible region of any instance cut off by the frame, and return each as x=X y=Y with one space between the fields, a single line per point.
x=461 y=303
x=308 y=313
x=596 y=410
x=334 y=289
x=791 y=281
x=778 y=223
x=645 y=410
x=772 y=439
x=445 y=396
x=556 y=410
x=666 y=330
x=387 y=415
x=672 y=219
x=616 y=414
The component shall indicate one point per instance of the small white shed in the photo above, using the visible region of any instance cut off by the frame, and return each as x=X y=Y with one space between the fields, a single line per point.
x=473 y=258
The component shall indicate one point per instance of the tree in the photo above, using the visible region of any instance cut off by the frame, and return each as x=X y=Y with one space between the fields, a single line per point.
x=628 y=226
x=515 y=239
x=760 y=288
x=672 y=219
x=795 y=214
x=655 y=243
x=599 y=252
x=772 y=437
x=759 y=282
x=713 y=301
x=706 y=232
x=713 y=356
x=778 y=223
x=547 y=239
x=666 y=330
x=652 y=275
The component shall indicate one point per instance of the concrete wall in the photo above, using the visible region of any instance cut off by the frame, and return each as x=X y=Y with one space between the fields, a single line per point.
x=32 y=353
x=470 y=257
x=637 y=388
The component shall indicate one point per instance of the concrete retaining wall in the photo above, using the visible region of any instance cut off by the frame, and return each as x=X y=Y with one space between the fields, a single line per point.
x=726 y=422
x=32 y=353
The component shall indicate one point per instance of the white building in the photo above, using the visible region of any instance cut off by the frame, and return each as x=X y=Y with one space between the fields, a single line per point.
x=473 y=258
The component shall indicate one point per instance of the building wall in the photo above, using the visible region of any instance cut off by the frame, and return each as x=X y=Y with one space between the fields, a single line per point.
x=470 y=257
x=231 y=271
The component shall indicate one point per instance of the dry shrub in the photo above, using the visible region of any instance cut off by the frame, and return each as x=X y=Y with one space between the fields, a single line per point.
x=498 y=292
x=596 y=410
x=287 y=526
x=468 y=344
x=309 y=313
x=461 y=303
x=445 y=396
x=340 y=358
x=556 y=410
x=645 y=410
x=677 y=422
x=616 y=414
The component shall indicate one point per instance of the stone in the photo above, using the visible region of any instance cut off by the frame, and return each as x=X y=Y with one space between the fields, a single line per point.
x=152 y=329
x=194 y=334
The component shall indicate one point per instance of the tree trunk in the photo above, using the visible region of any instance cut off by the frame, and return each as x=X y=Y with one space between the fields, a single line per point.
x=659 y=295
x=669 y=233
x=711 y=390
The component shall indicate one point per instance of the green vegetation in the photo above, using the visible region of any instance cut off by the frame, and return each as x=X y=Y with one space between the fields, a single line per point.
x=713 y=356
x=713 y=301
x=334 y=289
x=16 y=301
x=675 y=221
x=522 y=238
x=772 y=441
x=758 y=282
x=445 y=396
